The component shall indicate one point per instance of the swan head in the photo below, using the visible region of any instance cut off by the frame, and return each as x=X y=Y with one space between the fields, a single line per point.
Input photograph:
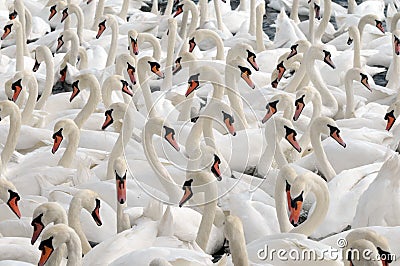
x=44 y=214
x=278 y=102
x=303 y=96
x=53 y=238
x=8 y=28
x=40 y=53
x=60 y=42
x=90 y=201
x=9 y=195
x=251 y=58
x=63 y=128
x=328 y=59
x=169 y=136
x=357 y=75
x=64 y=14
x=155 y=68
x=53 y=12
x=301 y=46
x=133 y=41
x=193 y=84
x=102 y=27
x=353 y=34
x=228 y=120
x=12 y=15
x=116 y=112
x=277 y=74
x=177 y=67
x=192 y=45
x=391 y=115
x=179 y=10
x=120 y=170
x=328 y=126
x=245 y=74
x=210 y=161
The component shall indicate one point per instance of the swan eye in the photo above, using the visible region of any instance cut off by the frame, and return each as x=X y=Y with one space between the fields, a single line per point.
x=379 y=25
x=245 y=70
x=229 y=117
x=16 y=84
x=274 y=83
x=8 y=27
x=251 y=54
x=58 y=133
x=178 y=60
x=349 y=41
x=299 y=198
x=290 y=131
x=131 y=68
x=13 y=15
x=168 y=131
x=271 y=106
x=299 y=100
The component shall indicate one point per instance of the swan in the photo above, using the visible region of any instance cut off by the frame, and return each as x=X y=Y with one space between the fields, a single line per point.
x=120 y=170
x=66 y=128
x=185 y=7
x=202 y=34
x=54 y=237
x=351 y=75
x=10 y=196
x=233 y=231
x=115 y=82
x=138 y=39
x=65 y=36
x=109 y=22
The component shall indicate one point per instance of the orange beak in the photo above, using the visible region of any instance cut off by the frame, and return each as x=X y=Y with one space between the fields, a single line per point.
x=37 y=228
x=46 y=253
x=270 y=112
x=364 y=81
x=288 y=198
x=53 y=12
x=63 y=73
x=171 y=139
x=135 y=47
x=131 y=74
x=292 y=140
x=157 y=71
x=281 y=70
x=215 y=168
x=230 y=127
x=246 y=77
x=13 y=203
x=57 y=142
x=75 y=90
x=293 y=51
x=121 y=189
x=64 y=15
x=109 y=119
x=96 y=213
x=299 y=109
x=390 y=120
x=193 y=85
x=275 y=83
x=36 y=66
x=60 y=43
x=7 y=31
x=396 y=45
x=179 y=10
x=192 y=45
x=295 y=212
x=17 y=90
x=102 y=28
x=126 y=89
x=379 y=25
x=335 y=135
x=252 y=61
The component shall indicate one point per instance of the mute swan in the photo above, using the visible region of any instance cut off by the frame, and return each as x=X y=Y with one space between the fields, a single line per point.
x=10 y=196
x=54 y=237
x=120 y=170
x=109 y=22
x=233 y=231
x=202 y=34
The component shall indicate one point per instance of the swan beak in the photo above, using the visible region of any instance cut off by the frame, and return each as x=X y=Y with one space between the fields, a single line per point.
x=179 y=10
x=292 y=140
x=75 y=90
x=177 y=66
x=89 y=1
x=192 y=45
x=13 y=203
x=335 y=135
x=293 y=51
x=193 y=85
x=215 y=168
x=7 y=31
x=328 y=60
x=36 y=66
x=102 y=28
x=171 y=140
x=228 y=120
x=63 y=73
x=58 y=138
x=187 y=187
x=251 y=58
x=17 y=88
x=296 y=206
x=96 y=213
x=271 y=110
x=121 y=188
x=299 y=108
x=131 y=74
x=317 y=9
x=156 y=70
x=246 y=76
x=224 y=1
x=60 y=43
x=53 y=12
x=135 y=47
x=281 y=70
x=275 y=83
x=109 y=119
x=379 y=25
x=126 y=89
x=37 y=228
x=364 y=81
x=64 y=15
x=390 y=120
x=46 y=246
x=349 y=41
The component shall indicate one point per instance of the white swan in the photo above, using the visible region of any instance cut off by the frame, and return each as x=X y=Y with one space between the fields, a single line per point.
x=109 y=22
x=54 y=237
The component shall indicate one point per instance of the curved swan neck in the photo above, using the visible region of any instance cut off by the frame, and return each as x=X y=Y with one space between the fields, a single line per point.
x=114 y=42
x=204 y=34
x=74 y=213
x=311 y=19
x=20 y=45
x=147 y=37
x=203 y=4
x=395 y=20
x=357 y=48
x=349 y=96
x=168 y=9
x=267 y=157
x=124 y=9
x=48 y=87
x=351 y=6
x=142 y=70
x=260 y=11
x=218 y=16
x=12 y=137
x=252 y=22
x=98 y=14
x=325 y=20
x=73 y=143
x=286 y=174
x=110 y=84
x=319 y=189
x=92 y=102
x=74 y=248
x=26 y=115
x=326 y=167
x=73 y=8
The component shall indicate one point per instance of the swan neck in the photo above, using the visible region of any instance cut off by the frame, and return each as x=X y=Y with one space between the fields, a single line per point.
x=267 y=157
x=143 y=79
x=349 y=98
x=259 y=30
x=113 y=47
x=20 y=47
x=294 y=14
x=218 y=15
x=26 y=115
x=74 y=248
x=326 y=168
x=48 y=87
x=252 y=22
x=70 y=152
x=167 y=82
x=98 y=14
x=124 y=9
x=91 y=104
x=357 y=51
x=325 y=20
x=74 y=213
x=12 y=138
